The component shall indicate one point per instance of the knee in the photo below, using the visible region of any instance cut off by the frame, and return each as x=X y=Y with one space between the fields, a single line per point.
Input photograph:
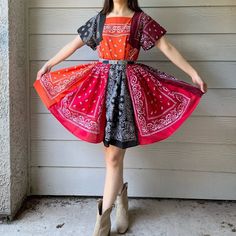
x=114 y=160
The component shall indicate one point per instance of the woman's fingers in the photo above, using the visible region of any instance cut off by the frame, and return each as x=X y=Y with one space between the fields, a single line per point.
x=203 y=86
x=42 y=71
x=39 y=74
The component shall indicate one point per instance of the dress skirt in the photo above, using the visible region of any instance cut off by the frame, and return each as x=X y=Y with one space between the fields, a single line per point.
x=122 y=104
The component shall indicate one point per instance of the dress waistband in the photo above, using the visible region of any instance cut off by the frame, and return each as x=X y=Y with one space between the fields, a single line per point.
x=116 y=61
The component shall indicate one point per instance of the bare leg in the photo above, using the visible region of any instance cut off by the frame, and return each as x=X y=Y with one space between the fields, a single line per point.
x=114 y=157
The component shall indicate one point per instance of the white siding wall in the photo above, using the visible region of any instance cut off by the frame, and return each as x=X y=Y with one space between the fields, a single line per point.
x=198 y=161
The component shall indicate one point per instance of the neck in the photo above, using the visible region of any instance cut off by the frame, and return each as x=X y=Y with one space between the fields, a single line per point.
x=120 y=7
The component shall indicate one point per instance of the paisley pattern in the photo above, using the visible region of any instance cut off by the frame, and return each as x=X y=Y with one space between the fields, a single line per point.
x=120 y=127
x=159 y=106
x=151 y=33
x=56 y=83
x=87 y=32
x=82 y=111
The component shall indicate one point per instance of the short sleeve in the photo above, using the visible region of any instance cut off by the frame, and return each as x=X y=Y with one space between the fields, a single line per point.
x=87 y=32
x=152 y=31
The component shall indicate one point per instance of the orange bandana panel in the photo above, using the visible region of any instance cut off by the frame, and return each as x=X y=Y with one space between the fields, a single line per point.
x=114 y=45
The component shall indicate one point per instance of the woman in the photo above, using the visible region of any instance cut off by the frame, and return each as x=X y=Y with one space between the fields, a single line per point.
x=118 y=124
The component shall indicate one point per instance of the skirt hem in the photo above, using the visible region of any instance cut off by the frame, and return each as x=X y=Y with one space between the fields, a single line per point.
x=120 y=144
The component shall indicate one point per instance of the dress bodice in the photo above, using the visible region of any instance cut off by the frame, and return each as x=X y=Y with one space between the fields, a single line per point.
x=114 y=45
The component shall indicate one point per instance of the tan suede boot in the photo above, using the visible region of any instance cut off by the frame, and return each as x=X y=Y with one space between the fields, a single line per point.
x=122 y=216
x=103 y=221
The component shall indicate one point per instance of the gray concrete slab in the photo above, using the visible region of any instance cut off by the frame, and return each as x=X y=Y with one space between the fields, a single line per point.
x=75 y=216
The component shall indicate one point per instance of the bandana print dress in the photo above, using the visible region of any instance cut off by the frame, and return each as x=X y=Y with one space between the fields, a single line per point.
x=119 y=104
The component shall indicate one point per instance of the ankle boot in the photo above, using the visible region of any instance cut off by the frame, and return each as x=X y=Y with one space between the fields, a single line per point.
x=103 y=221
x=122 y=217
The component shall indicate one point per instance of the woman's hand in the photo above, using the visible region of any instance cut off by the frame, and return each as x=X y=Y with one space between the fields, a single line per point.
x=46 y=68
x=197 y=80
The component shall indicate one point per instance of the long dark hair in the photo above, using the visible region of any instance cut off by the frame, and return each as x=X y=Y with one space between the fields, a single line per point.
x=108 y=6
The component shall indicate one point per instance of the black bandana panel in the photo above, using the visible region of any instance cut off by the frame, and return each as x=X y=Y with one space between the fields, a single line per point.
x=120 y=127
x=87 y=32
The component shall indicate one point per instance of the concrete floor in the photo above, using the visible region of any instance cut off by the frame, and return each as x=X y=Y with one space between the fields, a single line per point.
x=75 y=216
